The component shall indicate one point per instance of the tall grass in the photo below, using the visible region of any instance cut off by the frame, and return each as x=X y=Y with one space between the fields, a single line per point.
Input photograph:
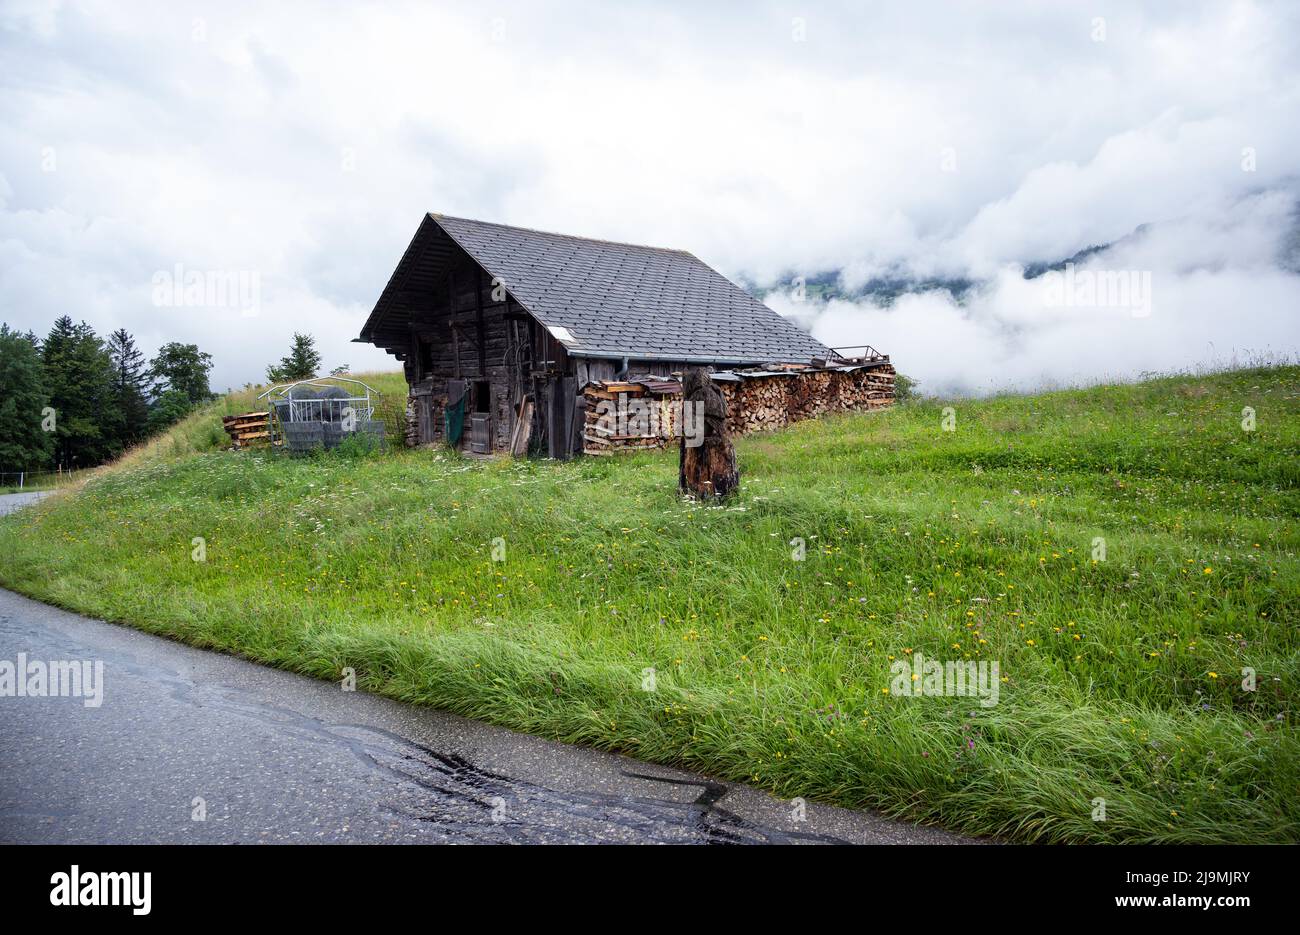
x=1123 y=673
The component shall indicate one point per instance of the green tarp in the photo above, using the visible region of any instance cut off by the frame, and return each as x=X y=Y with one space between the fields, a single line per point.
x=455 y=421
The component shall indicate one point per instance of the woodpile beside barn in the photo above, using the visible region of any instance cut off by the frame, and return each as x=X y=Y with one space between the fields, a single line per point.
x=646 y=414
x=766 y=400
x=507 y=334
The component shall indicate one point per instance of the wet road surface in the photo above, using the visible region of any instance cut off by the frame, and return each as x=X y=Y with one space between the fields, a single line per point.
x=193 y=746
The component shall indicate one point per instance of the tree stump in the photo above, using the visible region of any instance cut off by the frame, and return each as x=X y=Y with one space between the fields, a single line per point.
x=708 y=469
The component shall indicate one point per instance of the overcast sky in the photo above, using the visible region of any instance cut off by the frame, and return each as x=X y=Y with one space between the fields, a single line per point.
x=298 y=146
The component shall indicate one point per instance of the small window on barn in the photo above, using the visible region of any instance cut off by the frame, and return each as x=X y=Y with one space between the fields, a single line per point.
x=482 y=396
x=426 y=357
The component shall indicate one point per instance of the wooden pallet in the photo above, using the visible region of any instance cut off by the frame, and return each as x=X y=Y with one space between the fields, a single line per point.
x=248 y=429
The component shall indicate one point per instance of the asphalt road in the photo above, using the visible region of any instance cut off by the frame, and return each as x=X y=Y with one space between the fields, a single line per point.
x=12 y=501
x=194 y=746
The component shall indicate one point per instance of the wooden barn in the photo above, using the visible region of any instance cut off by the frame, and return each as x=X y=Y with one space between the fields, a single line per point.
x=500 y=329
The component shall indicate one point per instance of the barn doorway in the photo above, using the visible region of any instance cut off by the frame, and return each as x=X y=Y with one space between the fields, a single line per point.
x=480 y=420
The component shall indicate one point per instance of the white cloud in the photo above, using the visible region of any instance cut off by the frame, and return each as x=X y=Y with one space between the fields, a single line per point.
x=1203 y=293
x=304 y=142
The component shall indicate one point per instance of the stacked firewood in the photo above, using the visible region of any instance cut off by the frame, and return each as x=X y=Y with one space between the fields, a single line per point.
x=629 y=416
x=622 y=416
x=764 y=403
x=248 y=429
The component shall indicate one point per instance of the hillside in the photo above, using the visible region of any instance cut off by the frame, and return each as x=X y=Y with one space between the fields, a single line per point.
x=1121 y=669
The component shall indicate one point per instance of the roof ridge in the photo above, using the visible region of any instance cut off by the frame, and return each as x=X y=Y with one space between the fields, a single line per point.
x=533 y=230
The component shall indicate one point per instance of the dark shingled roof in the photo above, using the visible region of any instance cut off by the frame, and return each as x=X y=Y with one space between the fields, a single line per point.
x=623 y=300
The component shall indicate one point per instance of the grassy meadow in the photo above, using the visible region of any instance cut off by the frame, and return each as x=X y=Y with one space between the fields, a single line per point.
x=1127 y=554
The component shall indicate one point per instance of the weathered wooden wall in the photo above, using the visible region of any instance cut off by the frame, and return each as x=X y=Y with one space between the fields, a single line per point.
x=467 y=333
